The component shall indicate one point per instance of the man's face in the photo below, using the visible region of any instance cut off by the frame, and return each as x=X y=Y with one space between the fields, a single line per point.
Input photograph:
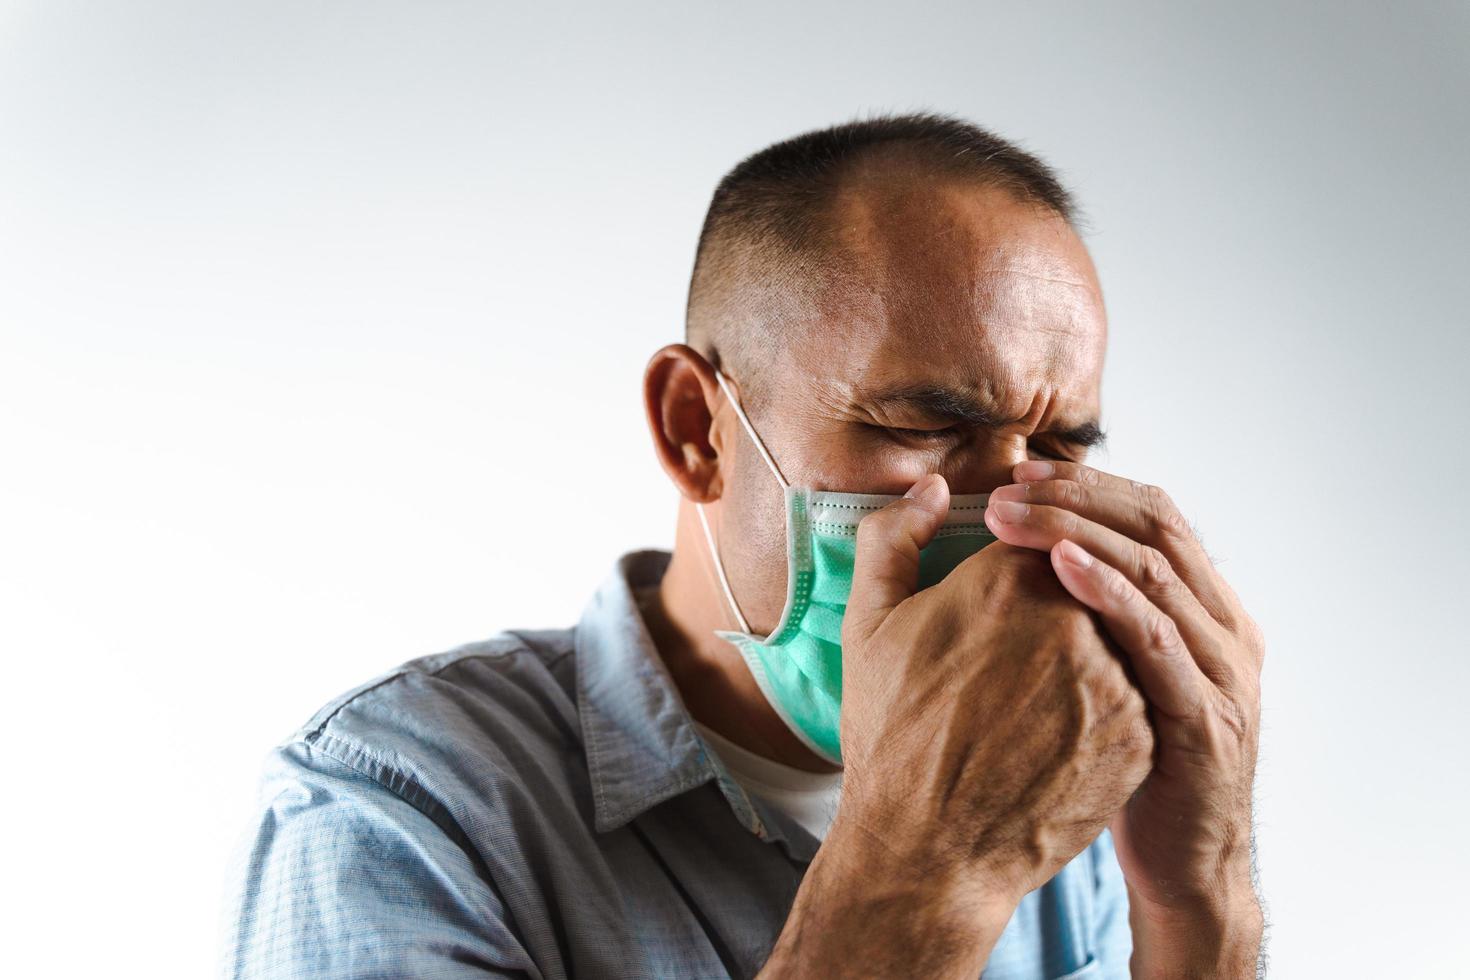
x=967 y=336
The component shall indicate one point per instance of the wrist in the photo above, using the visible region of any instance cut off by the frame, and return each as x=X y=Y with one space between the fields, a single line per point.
x=1218 y=936
x=972 y=895
x=865 y=904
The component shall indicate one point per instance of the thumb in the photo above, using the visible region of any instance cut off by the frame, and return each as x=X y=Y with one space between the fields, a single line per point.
x=886 y=569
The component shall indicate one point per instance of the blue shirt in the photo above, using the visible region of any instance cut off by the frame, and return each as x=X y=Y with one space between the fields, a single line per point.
x=540 y=805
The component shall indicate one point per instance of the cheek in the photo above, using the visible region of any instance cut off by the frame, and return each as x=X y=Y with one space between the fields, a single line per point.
x=754 y=541
x=857 y=459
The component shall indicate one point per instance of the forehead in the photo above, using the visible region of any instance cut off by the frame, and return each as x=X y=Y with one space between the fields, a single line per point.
x=952 y=283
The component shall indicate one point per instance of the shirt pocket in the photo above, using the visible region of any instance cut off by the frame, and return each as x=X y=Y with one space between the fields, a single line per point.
x=1091 y=970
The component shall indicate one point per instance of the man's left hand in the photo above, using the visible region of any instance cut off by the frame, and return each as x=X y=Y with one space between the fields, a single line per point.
x=1184 y=840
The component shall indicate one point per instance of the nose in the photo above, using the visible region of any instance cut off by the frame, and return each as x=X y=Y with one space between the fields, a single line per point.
x=986 y=464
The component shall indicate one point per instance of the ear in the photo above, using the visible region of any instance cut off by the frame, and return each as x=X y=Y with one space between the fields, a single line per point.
x=679 y=397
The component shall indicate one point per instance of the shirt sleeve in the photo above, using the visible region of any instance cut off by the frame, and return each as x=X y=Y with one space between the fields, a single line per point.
x=341 y=876
x=1114 y=935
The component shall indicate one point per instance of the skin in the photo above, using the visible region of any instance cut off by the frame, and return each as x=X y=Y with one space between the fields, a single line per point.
x=983 y=748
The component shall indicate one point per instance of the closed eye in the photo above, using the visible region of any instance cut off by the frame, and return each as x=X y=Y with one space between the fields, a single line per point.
x=922 y=435
x=1042 y=452
x=910 y=437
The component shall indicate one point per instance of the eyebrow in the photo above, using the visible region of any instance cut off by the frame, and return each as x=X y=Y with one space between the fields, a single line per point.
x=956 y=406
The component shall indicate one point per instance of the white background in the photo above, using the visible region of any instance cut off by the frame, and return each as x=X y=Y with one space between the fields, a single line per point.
x=316 y=317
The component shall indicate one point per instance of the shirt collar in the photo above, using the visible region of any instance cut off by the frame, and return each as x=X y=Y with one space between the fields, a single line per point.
x=641 y=745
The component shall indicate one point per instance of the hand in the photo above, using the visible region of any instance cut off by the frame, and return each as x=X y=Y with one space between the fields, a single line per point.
x=988 y=735
x=1123 y=549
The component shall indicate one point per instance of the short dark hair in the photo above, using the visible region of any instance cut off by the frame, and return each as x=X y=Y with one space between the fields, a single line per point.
x=768 y=214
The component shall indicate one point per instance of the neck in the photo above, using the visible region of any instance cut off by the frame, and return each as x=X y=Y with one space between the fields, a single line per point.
x=713 y=680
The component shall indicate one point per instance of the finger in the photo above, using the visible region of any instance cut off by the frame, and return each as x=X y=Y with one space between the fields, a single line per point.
x=886 y=567
x=1167 y=674
x=1138 y=510
x=1041 y=527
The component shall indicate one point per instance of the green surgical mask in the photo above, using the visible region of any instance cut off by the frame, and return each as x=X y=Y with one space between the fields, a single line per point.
x=799 y=665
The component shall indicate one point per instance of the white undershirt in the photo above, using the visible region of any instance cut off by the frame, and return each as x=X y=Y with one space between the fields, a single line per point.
x=809 y=798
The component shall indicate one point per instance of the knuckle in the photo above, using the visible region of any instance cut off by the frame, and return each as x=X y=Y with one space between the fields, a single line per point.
x=1016 y=561
x=1068 y=621
x=1174 y=526
x=1157 y=499
x=1255 y=637
x=1067 y=523
x=1162 y=635
x=1239 y=720
x=1006 y=569
x=1155 y=573
x=1069 y=493
x=1159 y=510
x=1117 y=588
x=1250 y=690
x=1076 y=619
x=1080 y=636
x=1127 y=713
x=1138 y=734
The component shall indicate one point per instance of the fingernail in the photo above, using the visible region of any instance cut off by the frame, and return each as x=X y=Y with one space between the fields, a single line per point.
x=927 y=491
x=917 y=489
x=1073 y=554
x=1008 y=511
x=1011 y=491
x=1034 y=469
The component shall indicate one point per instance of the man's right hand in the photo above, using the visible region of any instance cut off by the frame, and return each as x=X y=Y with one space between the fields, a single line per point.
x=989 y=733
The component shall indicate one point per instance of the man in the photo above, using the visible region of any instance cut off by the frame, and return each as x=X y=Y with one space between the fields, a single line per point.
x=1021 y=727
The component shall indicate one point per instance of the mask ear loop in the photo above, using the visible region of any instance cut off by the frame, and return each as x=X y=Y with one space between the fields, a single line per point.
x=750 y=429
x=714 y=553
x=709 y=537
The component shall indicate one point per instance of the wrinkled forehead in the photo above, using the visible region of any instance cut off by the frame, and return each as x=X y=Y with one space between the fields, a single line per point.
x=957 y=285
